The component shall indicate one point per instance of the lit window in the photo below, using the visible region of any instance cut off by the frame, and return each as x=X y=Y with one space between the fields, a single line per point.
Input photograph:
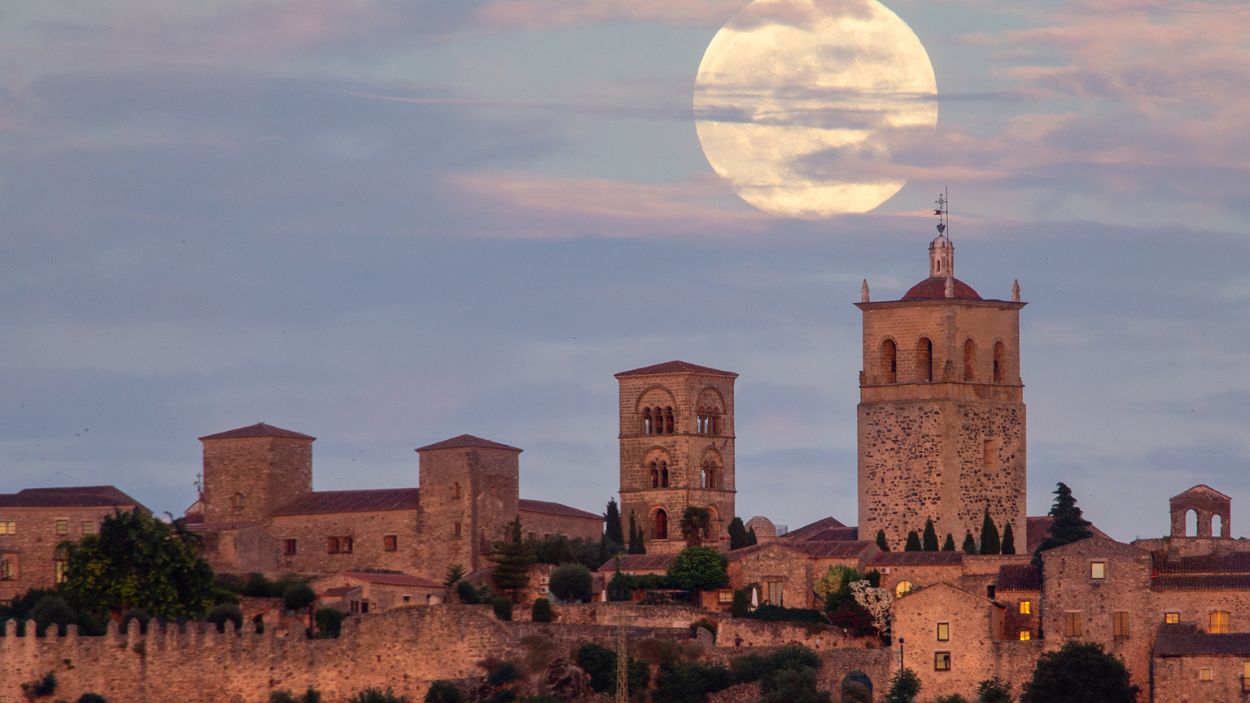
x=7 y=570
x=8 y=528
x=903 y=588
x=289 y=547
x=1098 y=570
x=1171 y=618
x=1218 y=623
x=941 y=661
x=724 y=596
x=1245 y=676
x=1026 y=607
x=944 y=631
x=1119 y=624
x=1025 y=635
x=1072 y=623
x=62 y=526
x=60 y=569
x=390 y=543
x=1206 y=674
x=88 y=527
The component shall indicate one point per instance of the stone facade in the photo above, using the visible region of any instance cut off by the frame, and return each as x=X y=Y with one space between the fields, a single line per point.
x=941 y=420
x=677 y=450
x=251 y=471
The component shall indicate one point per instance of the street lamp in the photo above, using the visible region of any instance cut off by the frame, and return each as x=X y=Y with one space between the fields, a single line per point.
x=900 y=653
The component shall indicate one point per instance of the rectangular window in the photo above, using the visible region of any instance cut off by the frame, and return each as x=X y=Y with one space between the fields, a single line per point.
x=1072 y=623
x=1245 y=677
x=87 y=527
x=941 y=661
x=774 y=592
x=289 y=547
x=332 y=545
x=1098 y=570
x=725 y=596
x=455 y=530
x=1026 y=607
x=1218 y=622
x=1119 y=624
x=390 y=543
x=62 y=526
x=60 y=570
x=1025 y=635
x=1171 y=618
x=8 y=528
x=1206 y=674
x=345 y=545
x=8 y=567
x=944 y=632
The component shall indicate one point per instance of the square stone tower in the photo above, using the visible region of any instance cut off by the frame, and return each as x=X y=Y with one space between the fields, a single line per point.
x=941 y=421
x=677 y=450
x=469 y=494
x=251 y=471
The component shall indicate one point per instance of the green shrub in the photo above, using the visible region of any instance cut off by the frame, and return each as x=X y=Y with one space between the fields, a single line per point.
x=374 y=695
x=502 y=673
x=473 y=596
x=223 y=613
x=952 y=698
x=443 y=692
x=542 y=611
x=282 y=696
x=571 y=583
x=994 y=690
x=53 y=610
x=41 y=687
x=329 y=622
x=741 y=607
x=600 y=664
x=682 y=682
x=503 y=608
x=777 y=612
x=257 y=586
x=298 y=596
x=855 y=692
x=904 y=687
x=92 y=698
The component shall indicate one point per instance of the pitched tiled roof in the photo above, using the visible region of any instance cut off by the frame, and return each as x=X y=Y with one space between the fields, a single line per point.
x=675 y=367
x=1200 y=489
x=813 y=549
x=935 y=289
x=1019 y=577
x=1038 y=527
x=549 y=508
x=368 y=501
x=467 y=441
x=1184 y=639
x=638 y=562
x=810 y=530
x=69 y=497
x=1205 y=582
x=1237 y=563
x=916 y=559
x=260 y=429
x=391 y=579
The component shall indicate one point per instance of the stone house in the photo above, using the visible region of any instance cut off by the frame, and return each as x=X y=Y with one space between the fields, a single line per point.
x=944 y=634
x=362 y=592
x=786 y=571
x=1192 y=666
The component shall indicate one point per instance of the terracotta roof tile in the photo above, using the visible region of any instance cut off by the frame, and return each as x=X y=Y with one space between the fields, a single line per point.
x=1038 y=527
x=1206 y=582
x=260 y=429
x=1184 y=639
x=935 y=289
x=467 y=441
x=916 y=559
x=638 y=562
x=675 y=367
x=69 y=497
x=811 y=529
x=1019 y=577
x=391 y=579
x=1237 y=563
x=368 y=501
x=829 y=549
x=547 y=507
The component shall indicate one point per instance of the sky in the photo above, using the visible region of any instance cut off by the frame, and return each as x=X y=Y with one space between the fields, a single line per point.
x=388 y=223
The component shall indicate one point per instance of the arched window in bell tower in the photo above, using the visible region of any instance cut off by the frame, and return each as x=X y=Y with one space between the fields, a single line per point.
x=668 y=420
x=970 y=359
x=1000 y=360
x=660 y=529
x=924 y=359
x=663 y=474
x=646 y=421
x=655 y=475
x=889 y=361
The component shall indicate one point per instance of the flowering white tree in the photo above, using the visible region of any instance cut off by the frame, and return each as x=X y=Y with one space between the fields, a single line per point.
x=876 y=601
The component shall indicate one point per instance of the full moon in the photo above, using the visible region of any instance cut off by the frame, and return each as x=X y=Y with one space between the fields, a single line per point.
x=802 y=105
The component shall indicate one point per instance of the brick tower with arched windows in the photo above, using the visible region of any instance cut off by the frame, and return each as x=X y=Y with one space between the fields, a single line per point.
x=677 y=450
x=941 y=420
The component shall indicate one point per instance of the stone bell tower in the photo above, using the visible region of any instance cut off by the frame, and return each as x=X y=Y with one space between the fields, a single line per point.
x=941 y=418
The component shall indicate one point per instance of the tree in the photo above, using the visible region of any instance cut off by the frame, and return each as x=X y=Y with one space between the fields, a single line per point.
x=443 y=692
x=329 y=622
x=621 y=587
x=994 y=690
x=695 y=523
x=752 y=539
x=913 y=542
x=298 y=596
x=455 y=572
x=541 y=612
x=1069 y=524
x=949 y=544
x=512 y=559
x=1009 y=539
x=904 y=687
x=612 y=527
x=571 y=583
x=637 y=544
x=738 y=535
x=1080 y=672
x=930 y=537
x=137 y=561
x=699 y=569
x=970 y=544
x=882 y=544
x=989 y=536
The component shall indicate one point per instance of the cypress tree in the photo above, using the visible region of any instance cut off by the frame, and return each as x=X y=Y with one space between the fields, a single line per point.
x=970 y=544
x=635 y=537
x=738 y=536
x=1009 y=540
x=1069 y=524
x=752 y=540
x=913 y=542
x=930 y=537
x=881 y=541
x=612 y=526
x=512 y=559
x=949 y=544
x=989 y=536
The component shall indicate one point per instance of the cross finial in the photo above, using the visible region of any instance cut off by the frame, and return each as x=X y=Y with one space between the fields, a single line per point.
x=942 y=211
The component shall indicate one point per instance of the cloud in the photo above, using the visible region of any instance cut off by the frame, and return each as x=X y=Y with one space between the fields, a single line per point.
x=545 y=13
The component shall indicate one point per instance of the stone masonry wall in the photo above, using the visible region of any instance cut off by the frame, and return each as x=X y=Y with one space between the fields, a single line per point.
x=32 y=549
x=1179 y=680
x=468 y=496
x=367 y=530
x=540 y=524
x=246 y=479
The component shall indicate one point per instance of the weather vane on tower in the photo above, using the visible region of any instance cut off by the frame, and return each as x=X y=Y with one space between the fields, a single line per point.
x=943 y=211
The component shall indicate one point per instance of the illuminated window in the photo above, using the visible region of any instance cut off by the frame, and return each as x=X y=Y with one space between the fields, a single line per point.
x=8 y=567
x=1171 y=618
x=1098 y=570
x=60 y=569
x=1245 y=676
x=8 y=528
x=390 y=543
x=1206 y=674
x=774 y=592
x=62 y=526
x=1119 y=624
x=725 y=596
x=1218 y=622
x=1025 y=635
x=1026 y=607
x=903 y=588
x=87 y=527
x=941 y=661
x=944 y=631
x=1072 y=623
x=289 y=547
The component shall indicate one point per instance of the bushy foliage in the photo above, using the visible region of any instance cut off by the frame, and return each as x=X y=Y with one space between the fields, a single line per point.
x=41 y=687
x=949 y=544
x=853 y=691
x=143 y=616
x=786 y=676
x=1069 y=524
x=455 y=572
x=621 y=587
x=689 y=682
x=298 y=597
x=1009 y=539
x=637 y=540
x=994 y=690
x=222 y=614
x=739 y=535
x=92 y=698
x=970 y=543
x=502 y=607
x=699 y=569
x=473 y=596
x=952 y=698
x=695 y=525
x=930 y=537
x=311 y=695
x=1080 y=672
x=882 y=543
x=512 y=559
x=443 y=692
x=559 y=549
x=329 y=622
x=741 y=605
x=52 y=610
x=913 y=542
x=612 y=527
x=990 y=543
x=499 y=673
x=904 y=687
x=600 y=664
x=793 y=686
x=571 y=583
x=777 y=612
x=374 y=695
x=541 y=612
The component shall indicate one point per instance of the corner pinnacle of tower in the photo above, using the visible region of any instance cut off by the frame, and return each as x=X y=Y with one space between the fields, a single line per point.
x=863 y=292
x=1015 y=291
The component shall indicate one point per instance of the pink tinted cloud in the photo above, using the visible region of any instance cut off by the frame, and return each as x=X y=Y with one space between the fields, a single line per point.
x=544 y=13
